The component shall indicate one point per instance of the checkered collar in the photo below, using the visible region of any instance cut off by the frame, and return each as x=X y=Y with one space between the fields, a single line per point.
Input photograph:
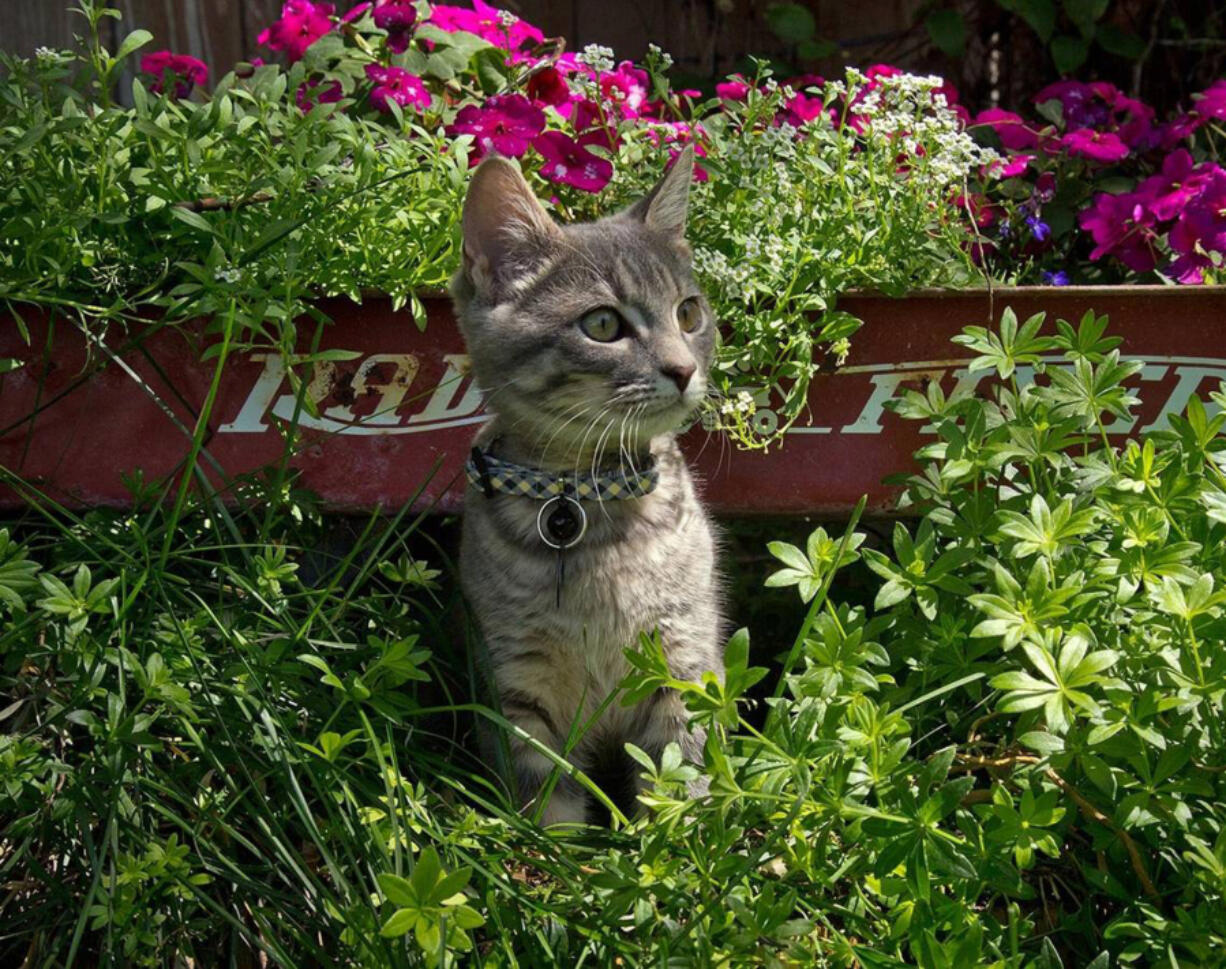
x=491 y=474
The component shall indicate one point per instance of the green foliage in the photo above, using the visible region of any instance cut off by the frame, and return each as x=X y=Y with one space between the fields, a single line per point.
x=1013 y=759
x=1081 y=23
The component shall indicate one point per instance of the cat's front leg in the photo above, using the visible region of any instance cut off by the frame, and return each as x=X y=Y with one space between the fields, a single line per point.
x=567 y=801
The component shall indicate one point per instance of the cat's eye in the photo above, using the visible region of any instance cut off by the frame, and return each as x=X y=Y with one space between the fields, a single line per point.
x=689 y=314
x=603 y=325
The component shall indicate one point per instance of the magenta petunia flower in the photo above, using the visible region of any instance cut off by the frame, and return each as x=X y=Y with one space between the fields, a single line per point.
x=677 y=134
x=548 y=86
x=733 y=89
x=302 y=23
x=627 y=88
x=500 y=27
x=1120 y=227
x=1083 y=105
x=801 y=109
x=1211 y=103
x=593 y=126
x=882 y=70
x=182 y=70
x=315 y=92
x=568 y=163
x=353 y=13
x=505 y=124
x=1098 y=146
x=398 y=85
x=397 y=18
x=1169 y=192
x=1014 y=133
x=1200 y=230
x=1012 y=167
x=1178 y=130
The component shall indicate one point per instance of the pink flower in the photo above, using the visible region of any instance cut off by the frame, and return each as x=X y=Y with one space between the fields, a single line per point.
x=1098 y=146
x=678 y=133
x=594 y=127
x=397 y=84
x=1014 y=133
x=1083 y=105
x=1211 y=103
x=1119 y=225
x=1178 y=184
x=568 y=162
x=1178 y=130
x=505 y=124
x=627 y=88
x=315 y=92
x=882 y=70
x=182 y=70
x=1200 y=230
x=353 y=13
x=801 y=109
x=1136 y=127
x=1014 y=166
x=733 y=89
x=548 y=86
x=397 y=18
x=302 y=23
x=486 y=22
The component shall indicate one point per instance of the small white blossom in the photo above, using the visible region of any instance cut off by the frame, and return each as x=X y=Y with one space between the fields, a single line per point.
x=228 y=275
x=507 y=19
x=664 y=58
x=597 y=57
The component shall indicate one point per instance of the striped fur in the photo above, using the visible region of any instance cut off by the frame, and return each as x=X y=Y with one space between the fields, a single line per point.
x=563 y=401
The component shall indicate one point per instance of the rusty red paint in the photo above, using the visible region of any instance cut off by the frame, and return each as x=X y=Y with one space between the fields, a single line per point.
x=73 y=424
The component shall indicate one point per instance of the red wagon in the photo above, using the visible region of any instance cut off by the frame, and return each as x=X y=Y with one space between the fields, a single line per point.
x=74 y=423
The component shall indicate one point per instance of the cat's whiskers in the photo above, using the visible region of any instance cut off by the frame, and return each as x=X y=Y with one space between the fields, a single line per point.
x=581 y=408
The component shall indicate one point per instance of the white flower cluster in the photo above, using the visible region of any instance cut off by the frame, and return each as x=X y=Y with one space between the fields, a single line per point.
x=731 y=281
x=662 y=57
x=908 y=108
x=742 y=403
x=507 y=19
x=228 y=275
x=761 y=150
x=596 y=57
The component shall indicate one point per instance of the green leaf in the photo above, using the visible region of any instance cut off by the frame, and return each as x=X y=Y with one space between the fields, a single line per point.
x=1121 y=43
x=192 y=218
x=791 y=22
x=133 y=42
x=399 y=923
x=947 y=28
x=1039 y=14
x=1069 y=52
x=398 y=890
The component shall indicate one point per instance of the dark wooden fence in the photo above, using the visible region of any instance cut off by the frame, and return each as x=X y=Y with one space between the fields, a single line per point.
x=706 y=37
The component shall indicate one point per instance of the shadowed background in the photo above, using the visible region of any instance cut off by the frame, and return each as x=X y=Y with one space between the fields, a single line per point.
x=1159 y=50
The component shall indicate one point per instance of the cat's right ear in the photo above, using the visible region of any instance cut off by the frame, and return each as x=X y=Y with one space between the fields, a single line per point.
x=508 y=234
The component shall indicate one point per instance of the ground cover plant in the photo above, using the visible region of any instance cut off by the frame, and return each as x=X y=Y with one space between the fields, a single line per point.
x=219 y=739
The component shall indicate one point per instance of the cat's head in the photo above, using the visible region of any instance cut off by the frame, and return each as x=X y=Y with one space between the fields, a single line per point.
x=575 y=328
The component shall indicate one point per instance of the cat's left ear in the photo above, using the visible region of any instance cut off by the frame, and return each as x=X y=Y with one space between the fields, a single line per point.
x=664 y=208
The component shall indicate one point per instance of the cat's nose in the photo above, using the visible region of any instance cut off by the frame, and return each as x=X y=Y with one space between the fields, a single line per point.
x=679 y=373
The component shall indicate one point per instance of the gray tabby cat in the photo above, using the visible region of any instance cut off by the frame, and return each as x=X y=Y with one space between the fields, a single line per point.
x=579 y=334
